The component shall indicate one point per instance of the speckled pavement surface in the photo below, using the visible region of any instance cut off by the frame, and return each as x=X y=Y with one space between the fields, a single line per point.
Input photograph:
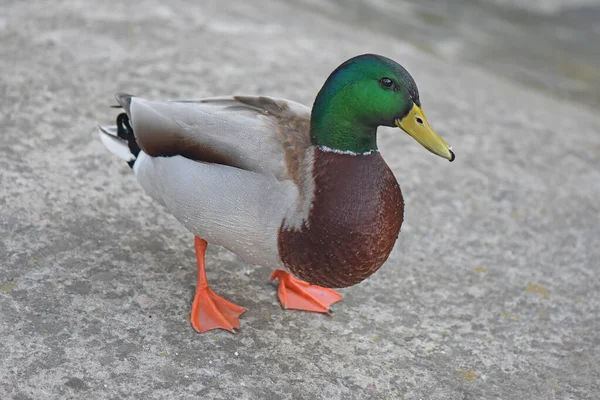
x=492 y=291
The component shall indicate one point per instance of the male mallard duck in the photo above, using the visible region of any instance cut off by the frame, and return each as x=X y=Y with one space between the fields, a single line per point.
x=303 y=192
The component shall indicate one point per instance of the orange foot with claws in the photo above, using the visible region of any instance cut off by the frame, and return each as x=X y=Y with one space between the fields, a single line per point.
x=209 y=310
x=299 y=295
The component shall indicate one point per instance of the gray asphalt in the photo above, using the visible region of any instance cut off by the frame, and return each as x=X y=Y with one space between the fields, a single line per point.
x=490 y=293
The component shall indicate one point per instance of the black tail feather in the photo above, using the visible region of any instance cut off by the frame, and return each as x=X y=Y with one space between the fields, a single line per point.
x=125 y=132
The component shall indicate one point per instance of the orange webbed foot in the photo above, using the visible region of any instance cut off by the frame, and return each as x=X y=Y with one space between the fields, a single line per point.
x=209 y=310
x=299 y=295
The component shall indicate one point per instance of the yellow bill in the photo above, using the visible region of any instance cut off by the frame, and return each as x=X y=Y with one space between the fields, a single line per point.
x=416 y=125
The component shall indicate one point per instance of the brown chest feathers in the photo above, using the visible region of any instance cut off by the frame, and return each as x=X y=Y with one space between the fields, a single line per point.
x=353 y=223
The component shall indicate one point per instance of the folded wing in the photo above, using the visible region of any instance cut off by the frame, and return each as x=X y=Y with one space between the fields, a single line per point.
x=260 y=134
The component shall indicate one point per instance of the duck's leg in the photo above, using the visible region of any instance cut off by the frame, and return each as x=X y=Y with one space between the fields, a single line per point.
x=209 y=310
x=299 y=295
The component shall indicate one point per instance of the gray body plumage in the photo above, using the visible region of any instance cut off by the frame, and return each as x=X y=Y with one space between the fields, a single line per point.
x=236 y=181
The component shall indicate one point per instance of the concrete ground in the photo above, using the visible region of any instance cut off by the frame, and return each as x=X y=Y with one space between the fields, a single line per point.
x=490 y=293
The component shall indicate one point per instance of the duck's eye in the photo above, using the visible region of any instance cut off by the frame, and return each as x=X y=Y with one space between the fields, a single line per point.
x=386 y=83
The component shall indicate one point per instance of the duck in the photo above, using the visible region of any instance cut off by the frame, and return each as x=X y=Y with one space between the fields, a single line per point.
x=302 y=191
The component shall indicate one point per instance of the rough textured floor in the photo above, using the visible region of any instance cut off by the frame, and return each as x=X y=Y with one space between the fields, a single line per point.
x=490 y=293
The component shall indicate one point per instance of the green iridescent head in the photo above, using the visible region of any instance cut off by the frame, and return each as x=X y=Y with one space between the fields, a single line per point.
x=363 y=93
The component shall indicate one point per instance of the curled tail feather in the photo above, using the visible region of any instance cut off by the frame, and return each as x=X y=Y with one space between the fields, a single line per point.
x=120 y=139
